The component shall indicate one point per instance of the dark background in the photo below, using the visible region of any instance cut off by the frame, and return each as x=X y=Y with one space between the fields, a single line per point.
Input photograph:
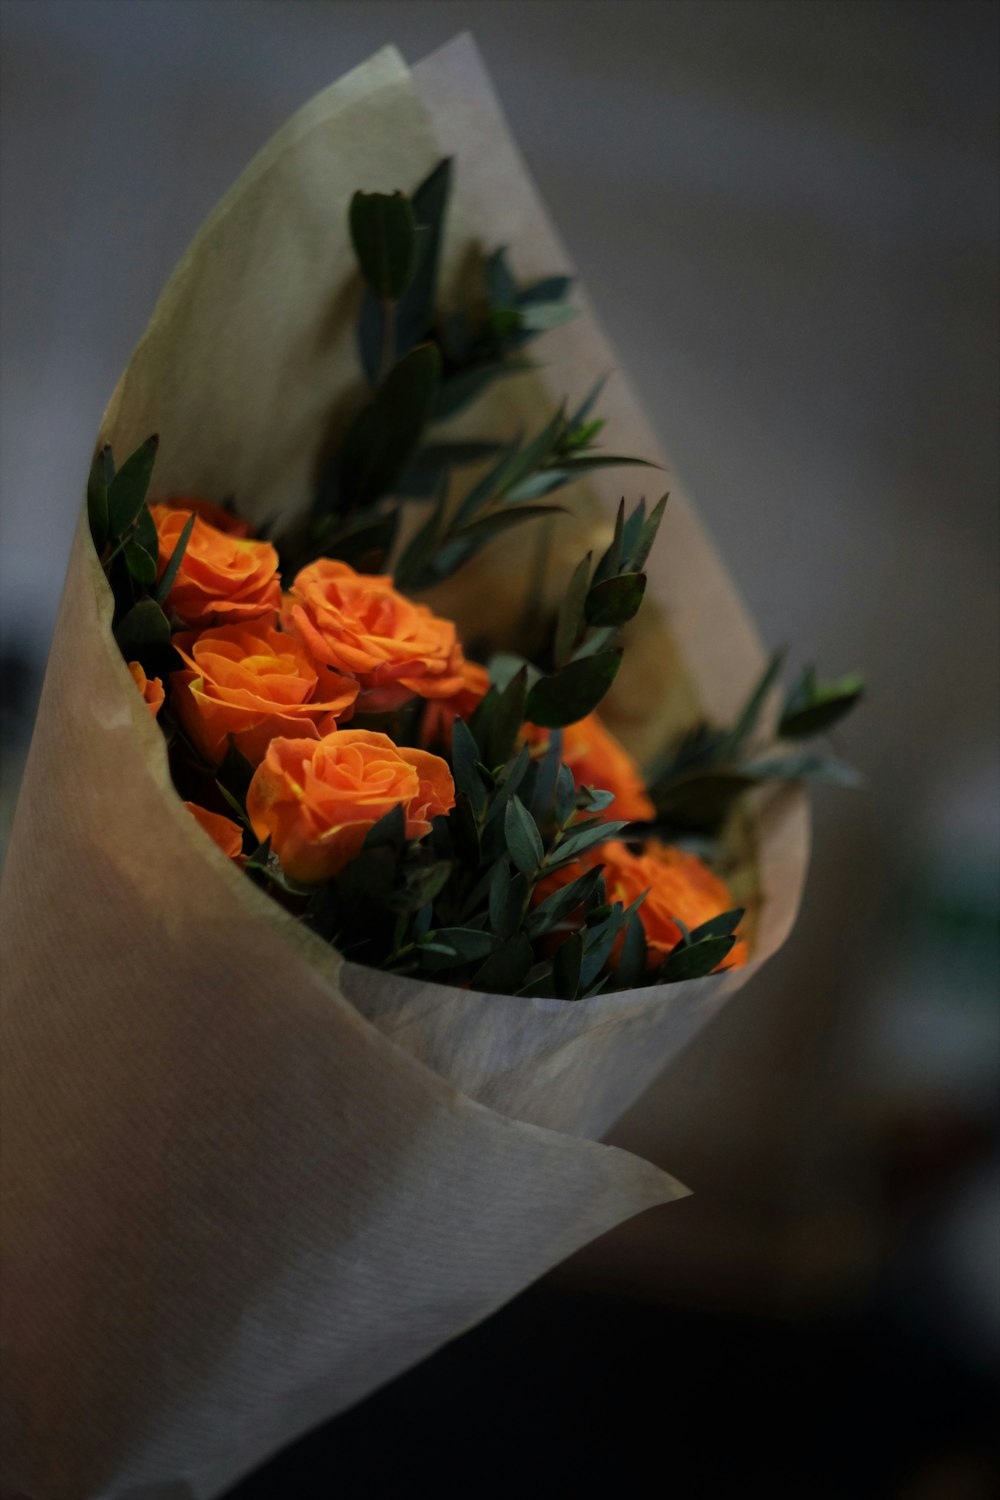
x=787 y=216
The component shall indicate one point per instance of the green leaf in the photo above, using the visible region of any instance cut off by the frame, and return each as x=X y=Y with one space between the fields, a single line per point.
x=389 y=832
x=464 y=762
x=694 y=960
x=176 y=557
x=505 y=971
x=561 y=904
x=524 y=842
x=139 y=563
x=573 y=691
x=598 y=944
x=577 y=843
x=467 y=944
x=383 y=233
x=513 y=776
x=816 y=706
x=540 y=317
x=143 y=627
x=610 y=564
x=546 y=775
x=501 y=288
x=549 y=289
x=424 y=475
x=127 y=490
x=565 y=796
x=492 y=522
x=616 y=600
x=464 y=385
x=647 y=536
x=508 y=894
x=747 y=721
x=817 y=768
x=566 y=965
x=463 y=826
x=701 y=801
x=415 y=312
x=724 y=925
x=102 y=471
x=384 y=436
x=236 y=772
x=506 y=720
x=634 y=955
x=569 y=623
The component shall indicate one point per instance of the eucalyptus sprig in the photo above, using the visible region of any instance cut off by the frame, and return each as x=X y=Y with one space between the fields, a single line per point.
x=125 y=539
x=699 y=780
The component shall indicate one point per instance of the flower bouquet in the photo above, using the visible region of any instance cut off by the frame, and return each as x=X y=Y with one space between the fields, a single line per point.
x=400 y=802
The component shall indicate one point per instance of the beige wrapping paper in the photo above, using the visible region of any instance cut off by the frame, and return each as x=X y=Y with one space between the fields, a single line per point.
x=244 y=1182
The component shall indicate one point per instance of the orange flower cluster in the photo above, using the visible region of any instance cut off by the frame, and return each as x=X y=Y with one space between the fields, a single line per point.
x=278 y=677
x=680 y=888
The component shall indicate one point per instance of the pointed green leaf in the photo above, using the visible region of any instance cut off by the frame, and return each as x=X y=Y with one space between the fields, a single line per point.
x=382 y=439
x=139 y=563
x=415 y=313
x=724 y=925
x=816 y=706
x=176 y=557
x=144 y=626
x=383 y=233
x=574 y=691
x=127 y=490
x=102 y=471
x=615 y=601
x=569 y=623
x=524 y=843
x=566 y=964
x=647 y=536
x=694 y=960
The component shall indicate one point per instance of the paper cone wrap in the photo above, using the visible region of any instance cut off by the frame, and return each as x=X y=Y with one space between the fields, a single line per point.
x=246 y=1182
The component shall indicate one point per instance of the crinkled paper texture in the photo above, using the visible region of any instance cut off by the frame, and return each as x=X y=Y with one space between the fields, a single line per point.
x=245 y=1183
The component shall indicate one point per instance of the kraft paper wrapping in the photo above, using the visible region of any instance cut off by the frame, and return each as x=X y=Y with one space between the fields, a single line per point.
x=245 y=1183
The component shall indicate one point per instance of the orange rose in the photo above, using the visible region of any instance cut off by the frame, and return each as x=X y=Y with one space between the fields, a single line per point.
x=227 y=834
x=215 y=515
x=442 y=712
x=681 y=888
x=251 y=683
x=222 y=577
x=360 y=625
x=151 y=688
x=597 y=759
x=317 y=799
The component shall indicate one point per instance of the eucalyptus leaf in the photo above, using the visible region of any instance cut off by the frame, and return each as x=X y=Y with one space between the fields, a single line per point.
x=415 y=312
x=383 y=233
x=139 y=563
x=573 y=691
x=694 y=960
x=505 y=970
x=566 y=966
x=615 y=601
x=816 y=706
x=561 y=904
x=102 y=471
x=127 y=490
x=724 y=925
x=144 y=626
x=382 y=439
x=176 y=557
x=570 y=620
x=524 y=843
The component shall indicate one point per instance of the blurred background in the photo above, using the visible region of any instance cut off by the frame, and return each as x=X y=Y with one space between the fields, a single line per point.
x=786 y=214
